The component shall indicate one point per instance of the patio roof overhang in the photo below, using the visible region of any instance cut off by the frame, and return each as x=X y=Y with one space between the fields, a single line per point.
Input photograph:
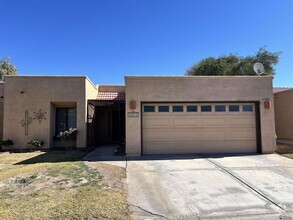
x=111 y=96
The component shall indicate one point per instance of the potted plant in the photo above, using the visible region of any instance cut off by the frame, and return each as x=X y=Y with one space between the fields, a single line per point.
x=6 y=143
x=68 y=137
x=36 y=142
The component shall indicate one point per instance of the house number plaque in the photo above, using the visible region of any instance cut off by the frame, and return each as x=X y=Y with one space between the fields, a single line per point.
x=133 y=114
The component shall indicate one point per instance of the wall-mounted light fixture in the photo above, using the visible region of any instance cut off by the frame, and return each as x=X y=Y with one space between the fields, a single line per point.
x=132 y=105
x=267 y=104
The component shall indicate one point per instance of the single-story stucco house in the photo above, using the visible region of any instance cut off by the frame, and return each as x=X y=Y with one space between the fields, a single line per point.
x=283 y=98
x=155 y=115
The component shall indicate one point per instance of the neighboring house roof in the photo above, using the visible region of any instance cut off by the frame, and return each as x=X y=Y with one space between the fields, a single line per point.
x=117 y=96
x=281 y=89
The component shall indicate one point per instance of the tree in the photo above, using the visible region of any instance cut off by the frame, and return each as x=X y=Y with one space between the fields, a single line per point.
x=6 y=68
x=236 y=65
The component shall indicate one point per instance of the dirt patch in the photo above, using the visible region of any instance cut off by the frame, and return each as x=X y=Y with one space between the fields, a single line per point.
x=26 y=185
x=112 y=176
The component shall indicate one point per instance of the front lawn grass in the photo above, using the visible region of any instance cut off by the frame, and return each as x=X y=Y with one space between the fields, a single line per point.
x=58 y=185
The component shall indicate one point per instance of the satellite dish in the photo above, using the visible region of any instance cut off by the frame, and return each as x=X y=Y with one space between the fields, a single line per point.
x=258 y=68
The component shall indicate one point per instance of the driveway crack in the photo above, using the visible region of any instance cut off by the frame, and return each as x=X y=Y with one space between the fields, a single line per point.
x=149 y=212
x=243 y=182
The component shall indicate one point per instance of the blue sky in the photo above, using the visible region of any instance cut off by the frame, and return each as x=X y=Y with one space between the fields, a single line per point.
x=107 y=39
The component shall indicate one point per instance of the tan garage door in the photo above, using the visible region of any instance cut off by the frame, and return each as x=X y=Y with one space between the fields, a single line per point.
x=174 y=128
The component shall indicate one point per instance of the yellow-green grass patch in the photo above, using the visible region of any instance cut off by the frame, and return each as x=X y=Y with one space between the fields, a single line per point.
x=12 y=158
x=58 y=185
x=288 y=155
x=85 y=202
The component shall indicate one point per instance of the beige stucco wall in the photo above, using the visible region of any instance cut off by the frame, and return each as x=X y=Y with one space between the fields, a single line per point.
x=283 y=114
x=111 y=88
x=1 y=108
x=186 y=89
x=45 y=93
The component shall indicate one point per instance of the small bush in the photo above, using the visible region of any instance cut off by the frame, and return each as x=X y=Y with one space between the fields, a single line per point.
x=36 y=142
x=6 y=143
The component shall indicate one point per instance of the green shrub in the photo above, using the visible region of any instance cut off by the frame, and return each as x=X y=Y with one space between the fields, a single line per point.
x=6 y=143
x=36 y=142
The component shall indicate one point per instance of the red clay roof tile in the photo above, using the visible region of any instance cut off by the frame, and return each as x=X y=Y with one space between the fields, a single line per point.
x=118 y=96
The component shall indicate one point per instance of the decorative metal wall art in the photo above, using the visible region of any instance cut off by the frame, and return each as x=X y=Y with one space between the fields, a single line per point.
x=40 y=115
x=26 y=122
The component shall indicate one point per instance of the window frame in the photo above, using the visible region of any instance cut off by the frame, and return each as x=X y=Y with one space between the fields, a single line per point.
x=178 y=106
x=57 y=132
x=149 y=106
x=247 y=105
x=231 y=106
x=195 y=106
x=166 y=106
x=217 y=110
x=201 y=108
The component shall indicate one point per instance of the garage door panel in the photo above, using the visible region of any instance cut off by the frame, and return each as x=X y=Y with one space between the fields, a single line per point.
x=186 y=121
x=243 y=120
x=186 y=134
x=243 y=134
x=204 y=146
x=166 y=147
x=157 y=147
x=229 y=146
x=243 y=146
x=184 y=147
x=214 y=134
x=157 y=121
x=213 y=121
x=156 y=134
x=199 y=132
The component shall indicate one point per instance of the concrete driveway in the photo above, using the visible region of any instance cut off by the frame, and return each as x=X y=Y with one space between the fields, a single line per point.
x=198 y=187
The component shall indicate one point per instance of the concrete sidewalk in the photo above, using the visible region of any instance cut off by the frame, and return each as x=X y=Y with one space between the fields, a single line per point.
x=106 y=154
